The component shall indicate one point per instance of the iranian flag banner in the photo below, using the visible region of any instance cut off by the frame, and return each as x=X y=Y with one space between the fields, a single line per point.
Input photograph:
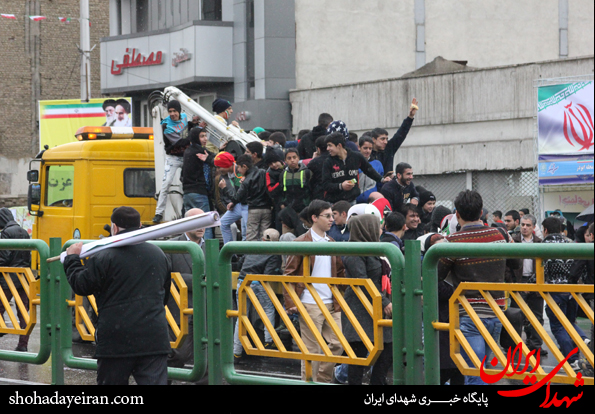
x=64 y=19
x=37 y=18
x=565 y=119
x=9 y=16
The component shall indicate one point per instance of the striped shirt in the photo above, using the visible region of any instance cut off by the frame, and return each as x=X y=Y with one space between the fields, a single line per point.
x=477 y=269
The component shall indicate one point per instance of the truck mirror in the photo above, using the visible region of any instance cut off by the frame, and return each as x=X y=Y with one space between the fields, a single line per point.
x=34 y=198
x=33 y=176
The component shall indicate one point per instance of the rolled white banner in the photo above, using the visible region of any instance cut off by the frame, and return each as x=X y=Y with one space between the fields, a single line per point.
x=200 y=221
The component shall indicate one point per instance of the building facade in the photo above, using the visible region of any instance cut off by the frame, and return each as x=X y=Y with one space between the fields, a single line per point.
x=239 y=50
x=473 y=67
x=39 y=60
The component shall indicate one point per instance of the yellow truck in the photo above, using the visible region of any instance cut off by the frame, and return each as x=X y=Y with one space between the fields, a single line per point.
x=76 y=186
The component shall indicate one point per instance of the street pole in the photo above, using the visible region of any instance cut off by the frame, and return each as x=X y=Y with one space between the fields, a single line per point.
x=85 y=52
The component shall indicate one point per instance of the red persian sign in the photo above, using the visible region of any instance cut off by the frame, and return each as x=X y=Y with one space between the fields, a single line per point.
x=135 y=59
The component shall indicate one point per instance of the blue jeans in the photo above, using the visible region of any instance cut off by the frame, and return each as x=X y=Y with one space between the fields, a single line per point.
x=569 y=307
x=478 y=344
x=269 y=310
x=195 y=200
x=231 y=216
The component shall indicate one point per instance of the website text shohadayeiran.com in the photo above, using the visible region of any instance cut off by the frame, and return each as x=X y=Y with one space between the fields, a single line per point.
x=68 y=400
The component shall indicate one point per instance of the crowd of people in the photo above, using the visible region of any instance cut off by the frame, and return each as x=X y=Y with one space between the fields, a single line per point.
x=328 y=186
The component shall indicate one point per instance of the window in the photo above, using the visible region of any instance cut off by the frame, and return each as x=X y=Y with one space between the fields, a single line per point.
x=142 y=16
x=60 y=186
x=139 y=182
x=211 y=10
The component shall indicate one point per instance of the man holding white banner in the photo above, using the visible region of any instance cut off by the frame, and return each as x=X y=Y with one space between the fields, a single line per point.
x=131 y=284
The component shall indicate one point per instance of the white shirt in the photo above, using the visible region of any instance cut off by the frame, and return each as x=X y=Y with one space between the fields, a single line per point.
x=527 y=263
x=322 y=268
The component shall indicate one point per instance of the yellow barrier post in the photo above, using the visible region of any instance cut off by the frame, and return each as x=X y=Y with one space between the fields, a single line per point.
x=31 y=288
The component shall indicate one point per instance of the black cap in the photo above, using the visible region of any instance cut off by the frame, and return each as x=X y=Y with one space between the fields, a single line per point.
x=220 y=105
x=126 y=217
x=175 y=105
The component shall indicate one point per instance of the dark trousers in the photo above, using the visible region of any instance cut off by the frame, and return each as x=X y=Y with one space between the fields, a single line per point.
x=380 y=368
x=535 y=303
x=146 y=370
x=23 y=339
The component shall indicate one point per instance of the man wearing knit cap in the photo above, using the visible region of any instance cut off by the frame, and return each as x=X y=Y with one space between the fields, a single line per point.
x=427 y=202
x=175 y=144
x=131 y=286
x=222 y=109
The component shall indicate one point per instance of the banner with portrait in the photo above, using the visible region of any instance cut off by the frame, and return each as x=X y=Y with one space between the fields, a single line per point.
x=60 y=119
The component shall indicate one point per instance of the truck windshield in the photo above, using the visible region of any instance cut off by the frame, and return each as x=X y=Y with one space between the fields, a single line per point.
x=60 y=185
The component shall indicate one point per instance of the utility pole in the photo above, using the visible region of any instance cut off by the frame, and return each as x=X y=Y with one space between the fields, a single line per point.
x=85 y=51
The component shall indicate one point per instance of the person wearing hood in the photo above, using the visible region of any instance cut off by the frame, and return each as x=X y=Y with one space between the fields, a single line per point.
x=197 y=174
x=366 y=228
x=438 y=215
x=307 y=145
x=10 y=230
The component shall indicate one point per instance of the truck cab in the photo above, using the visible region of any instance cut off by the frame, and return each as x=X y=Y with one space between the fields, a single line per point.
x=77 y=185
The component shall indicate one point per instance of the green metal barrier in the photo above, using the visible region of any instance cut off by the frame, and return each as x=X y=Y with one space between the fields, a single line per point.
x=219 y=282
x=46 y=328
x=198 y=300
x=477 y=250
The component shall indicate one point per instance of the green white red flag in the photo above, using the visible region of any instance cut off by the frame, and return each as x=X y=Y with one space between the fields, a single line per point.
x=9 y=16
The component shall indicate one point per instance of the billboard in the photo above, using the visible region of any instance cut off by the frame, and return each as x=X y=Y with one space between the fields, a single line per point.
x=60 y=119
x=565 y=133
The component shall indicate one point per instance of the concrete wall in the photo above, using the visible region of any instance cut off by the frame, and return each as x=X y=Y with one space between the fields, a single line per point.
x=345 y=41
x=39 y=60
x=348 y=41
x=476 y=120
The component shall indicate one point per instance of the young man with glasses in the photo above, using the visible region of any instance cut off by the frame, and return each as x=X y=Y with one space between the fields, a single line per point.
x=321 y=215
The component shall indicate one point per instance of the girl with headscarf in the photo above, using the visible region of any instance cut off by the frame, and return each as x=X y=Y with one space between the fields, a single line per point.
x=366 y=228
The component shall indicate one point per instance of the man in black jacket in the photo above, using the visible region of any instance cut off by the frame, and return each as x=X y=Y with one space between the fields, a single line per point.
x=131 y=286
x=182 y=263
x=316 y=167
x=197 y=174
x=340 y=172
x=253 y=192
x=14 y=258
x=401 y=190
x=385 y=149
x=307 y=145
